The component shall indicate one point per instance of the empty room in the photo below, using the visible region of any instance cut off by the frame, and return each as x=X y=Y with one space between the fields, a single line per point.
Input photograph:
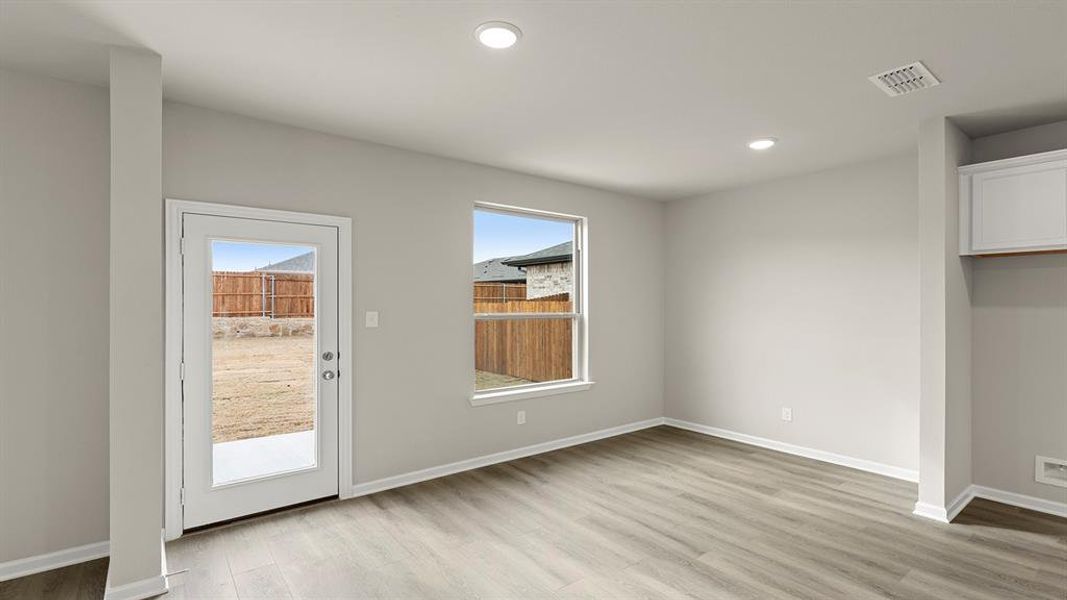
x=437 y=299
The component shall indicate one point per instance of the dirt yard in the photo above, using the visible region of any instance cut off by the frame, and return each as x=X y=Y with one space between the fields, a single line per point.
x=262 y=386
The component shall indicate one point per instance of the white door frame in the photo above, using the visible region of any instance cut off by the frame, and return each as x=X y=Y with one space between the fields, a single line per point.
x=173 y=473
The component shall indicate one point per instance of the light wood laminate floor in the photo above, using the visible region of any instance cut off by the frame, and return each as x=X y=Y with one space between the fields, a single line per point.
x=661 y=513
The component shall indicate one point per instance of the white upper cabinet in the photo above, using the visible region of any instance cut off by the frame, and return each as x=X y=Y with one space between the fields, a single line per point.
x=1014 y=205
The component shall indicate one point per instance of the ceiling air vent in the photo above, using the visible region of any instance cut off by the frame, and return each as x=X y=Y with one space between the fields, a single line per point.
x=906 y=79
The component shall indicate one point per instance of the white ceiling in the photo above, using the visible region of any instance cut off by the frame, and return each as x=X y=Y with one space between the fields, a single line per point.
x=653 y=99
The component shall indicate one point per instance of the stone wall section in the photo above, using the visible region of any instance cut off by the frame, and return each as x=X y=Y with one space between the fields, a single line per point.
x=548 y=280
x=237 y=327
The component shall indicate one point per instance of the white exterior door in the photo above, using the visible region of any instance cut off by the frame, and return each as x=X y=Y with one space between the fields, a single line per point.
x=260 y=365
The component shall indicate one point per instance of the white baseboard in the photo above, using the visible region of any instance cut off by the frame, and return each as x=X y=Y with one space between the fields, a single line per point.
x=22 y=567
x=959 y=503
x=931 y=511
x=137 y=590
x=946 y=515
x=388 y=483
x=822 y=455
x=1050 y=507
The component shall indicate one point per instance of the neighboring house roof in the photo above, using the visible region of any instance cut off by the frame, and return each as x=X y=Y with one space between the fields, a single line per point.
x=554 y=254
x=303 y=263
x=494 y=270
x=507 y=269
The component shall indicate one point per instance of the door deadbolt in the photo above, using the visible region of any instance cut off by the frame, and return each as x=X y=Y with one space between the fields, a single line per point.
x=327 y=355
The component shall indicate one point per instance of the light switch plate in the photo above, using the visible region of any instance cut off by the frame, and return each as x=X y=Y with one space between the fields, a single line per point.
x=372 y=318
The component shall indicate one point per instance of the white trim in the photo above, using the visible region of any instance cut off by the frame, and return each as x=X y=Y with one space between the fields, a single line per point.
x=930 y=511
x=524 y=211
x=172 y=372
x=251 y=212
x=388 y=483
x=1015 y=161
x=943 y=515
x=175 y=209
x=581 y=342
x=959 y=503
x=1050 y=507
x=821 y=455
x=137 y=590
x=965 y=224
x=22 y=567
x=345 y=359
x=511 y=395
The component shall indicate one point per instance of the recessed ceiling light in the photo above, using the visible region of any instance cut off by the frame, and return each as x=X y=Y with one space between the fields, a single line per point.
x=497 y=34
x=762 y=143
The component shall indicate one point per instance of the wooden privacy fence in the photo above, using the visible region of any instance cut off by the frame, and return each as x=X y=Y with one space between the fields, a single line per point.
x=276 y=295
x=531 y=349
x=499 y=292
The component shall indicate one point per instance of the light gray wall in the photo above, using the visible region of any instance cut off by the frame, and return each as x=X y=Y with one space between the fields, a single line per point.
x=53 y=315
x=945 y=344
x=802 y=292
x=136 y=308
x=1043 y=138
x=1020 y=348
x=1020 y=371
x=413 y=225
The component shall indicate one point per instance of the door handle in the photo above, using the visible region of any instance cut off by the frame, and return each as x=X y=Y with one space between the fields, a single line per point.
x=328 y=375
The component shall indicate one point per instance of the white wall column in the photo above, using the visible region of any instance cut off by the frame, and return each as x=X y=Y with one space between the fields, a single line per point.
x=945 y=312
x=136 y=325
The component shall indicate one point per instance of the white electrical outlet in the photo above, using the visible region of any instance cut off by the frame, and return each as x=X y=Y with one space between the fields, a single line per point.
x=520 y=417
x=787 y=413
x=372 y=318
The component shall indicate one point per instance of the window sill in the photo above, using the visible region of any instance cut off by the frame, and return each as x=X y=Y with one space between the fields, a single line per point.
x=499 y=396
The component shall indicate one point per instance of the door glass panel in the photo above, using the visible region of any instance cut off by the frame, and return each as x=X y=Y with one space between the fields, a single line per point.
x=263 y=384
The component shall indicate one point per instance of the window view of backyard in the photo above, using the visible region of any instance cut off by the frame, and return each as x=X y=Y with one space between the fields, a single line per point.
x=263 y=358
x=523 y=274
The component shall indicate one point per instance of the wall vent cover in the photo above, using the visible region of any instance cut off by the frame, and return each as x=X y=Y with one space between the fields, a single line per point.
x=904 y=80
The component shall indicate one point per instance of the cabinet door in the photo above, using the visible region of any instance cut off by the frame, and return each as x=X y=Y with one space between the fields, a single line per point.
x=1020 y=208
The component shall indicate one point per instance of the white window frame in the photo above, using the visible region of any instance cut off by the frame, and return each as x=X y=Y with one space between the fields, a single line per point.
x=580 y=317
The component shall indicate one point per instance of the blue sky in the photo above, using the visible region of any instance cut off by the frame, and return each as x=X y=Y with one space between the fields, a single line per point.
x=248 y=256
x=497 y=235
